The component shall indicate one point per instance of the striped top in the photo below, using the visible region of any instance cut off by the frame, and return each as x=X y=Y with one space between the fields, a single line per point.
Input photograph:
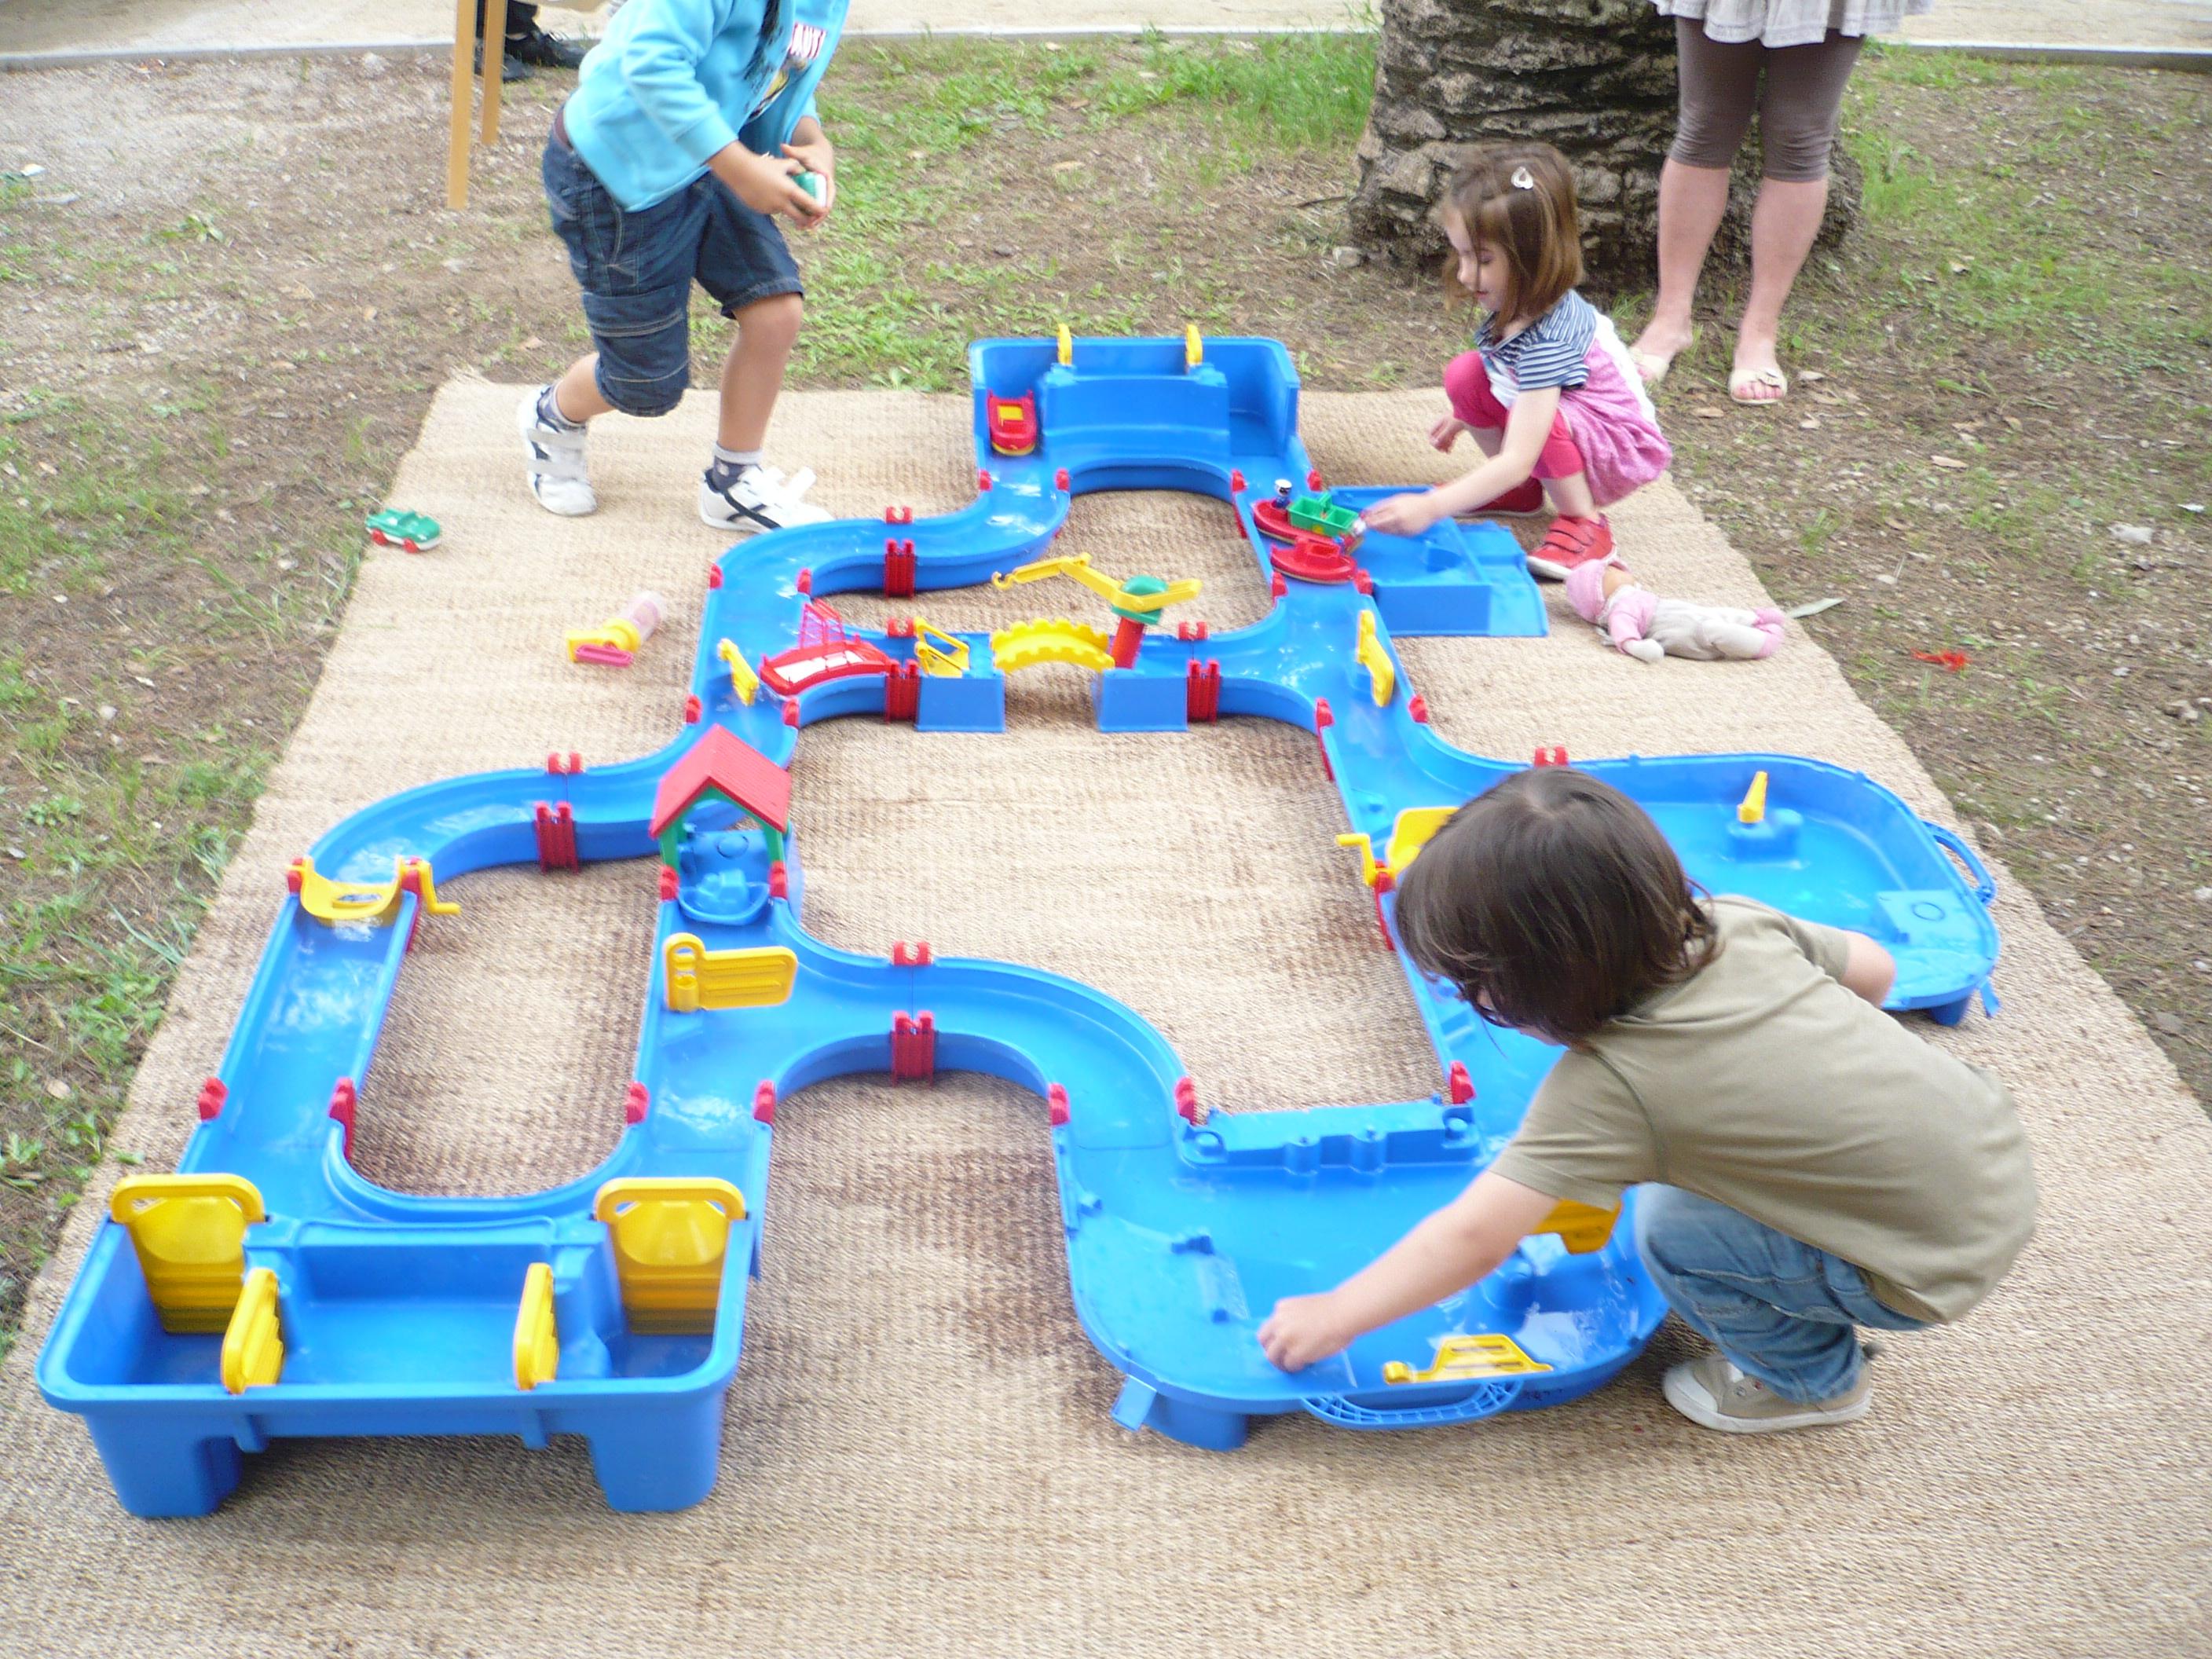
x=1550 y=352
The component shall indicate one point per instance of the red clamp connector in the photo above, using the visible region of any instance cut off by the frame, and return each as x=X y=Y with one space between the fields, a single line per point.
x=564 y=766
x=295 y=877
x=1384 y=883
x=1458 y=1084
x=1055 y=1105
x=344 y=1099
x=1417 y=707
x=1555 y=754
x=1236 y=480
x=764 y=1102
x=1363 y=582
x=1324 y=717
x=1191 y=630
x=1186 y=1100
x=1059 y=479
x=557 y=837
x=1202 y=690
x=899 y=628
x=1277 y=587
x=213 y=1093
x=636 y=1100
x=668 y=881
x=715 y=574
x=898 y=567
x=691 y=709
x=915 y=956
x=903 y=691
x=1313 y=480
x=779 y=881
x=913 y=1047
x=898 y=515
x=791 y=713
x=804 y=581
x=983 y=480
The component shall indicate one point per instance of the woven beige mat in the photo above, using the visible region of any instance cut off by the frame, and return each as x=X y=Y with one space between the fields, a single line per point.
x=917 y=1459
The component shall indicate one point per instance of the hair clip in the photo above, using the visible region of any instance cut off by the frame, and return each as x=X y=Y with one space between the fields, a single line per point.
x=1523 y=180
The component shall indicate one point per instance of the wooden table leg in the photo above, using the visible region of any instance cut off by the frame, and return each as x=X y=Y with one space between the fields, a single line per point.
x=457 y=143
x=494 y=29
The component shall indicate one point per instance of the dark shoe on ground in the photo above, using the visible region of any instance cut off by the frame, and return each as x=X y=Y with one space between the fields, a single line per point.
x=511 y=67
x=1571 y=544
x=1712 y=1391
x=546 y=51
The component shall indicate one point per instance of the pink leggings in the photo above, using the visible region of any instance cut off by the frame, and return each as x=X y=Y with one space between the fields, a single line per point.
x=1467 y=383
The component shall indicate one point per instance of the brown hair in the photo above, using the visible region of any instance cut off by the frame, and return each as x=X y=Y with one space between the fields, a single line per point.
x=1555 y=904
x=1535 y=231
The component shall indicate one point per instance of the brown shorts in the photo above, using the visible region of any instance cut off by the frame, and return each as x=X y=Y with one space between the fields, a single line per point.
x=1798 y=106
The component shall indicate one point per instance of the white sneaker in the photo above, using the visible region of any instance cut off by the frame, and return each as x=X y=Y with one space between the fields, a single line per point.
x=555 y=464
x=759 y=498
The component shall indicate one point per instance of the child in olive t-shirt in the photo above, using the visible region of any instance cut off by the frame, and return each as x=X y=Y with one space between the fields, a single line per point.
x=1815 y=1166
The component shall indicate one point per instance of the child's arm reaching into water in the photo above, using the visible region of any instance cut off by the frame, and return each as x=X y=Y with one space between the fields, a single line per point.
x=1449 y=1250
x=1527 y=427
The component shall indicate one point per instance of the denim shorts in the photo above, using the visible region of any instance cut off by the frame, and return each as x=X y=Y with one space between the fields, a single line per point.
x=636 y=269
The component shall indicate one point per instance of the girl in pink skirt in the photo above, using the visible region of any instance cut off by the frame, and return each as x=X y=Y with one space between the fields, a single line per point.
x=1554 y=403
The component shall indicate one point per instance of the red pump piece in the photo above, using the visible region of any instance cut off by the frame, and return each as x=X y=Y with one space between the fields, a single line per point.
x=344 y=1099
x=764 y=1102
x=636 y=1100
x=1459 y=1084
x=913 y=1047
x=213 y=1093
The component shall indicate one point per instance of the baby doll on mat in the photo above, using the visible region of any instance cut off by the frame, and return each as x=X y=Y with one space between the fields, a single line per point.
x=1647 y=628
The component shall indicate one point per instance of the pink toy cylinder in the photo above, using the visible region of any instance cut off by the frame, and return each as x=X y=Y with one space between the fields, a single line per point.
x=645 y=611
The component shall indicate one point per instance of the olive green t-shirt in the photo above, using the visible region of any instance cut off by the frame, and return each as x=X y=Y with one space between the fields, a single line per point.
x=1762 y=1084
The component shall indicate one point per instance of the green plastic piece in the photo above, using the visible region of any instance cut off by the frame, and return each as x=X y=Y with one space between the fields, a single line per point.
x=1141 y=587
x=413 y=531
x=1320 y=512
x=809 y=182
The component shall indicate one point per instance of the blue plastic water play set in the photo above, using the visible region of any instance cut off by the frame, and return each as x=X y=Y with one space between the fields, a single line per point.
x=267 y=1289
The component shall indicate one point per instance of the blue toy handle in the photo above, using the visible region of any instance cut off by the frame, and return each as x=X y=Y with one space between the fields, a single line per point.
x=1985 y=886
x=1487 y=1399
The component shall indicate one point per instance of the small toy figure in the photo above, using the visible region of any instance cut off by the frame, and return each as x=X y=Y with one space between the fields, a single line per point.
x=1647 y=628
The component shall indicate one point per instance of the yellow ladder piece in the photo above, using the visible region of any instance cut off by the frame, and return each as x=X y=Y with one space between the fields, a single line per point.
x=253 y=1342
x=1368 y=867
x=1050 y=640
x=1382 y=672
x=1467 y=1360
x=1194 y=353
x=759 y=976
x=1412 y=832
x=742 y=680
x=1753 y=808
x=536 y=1339
x=376 y=901
x=188 y=1232
x=938 y=652
x=1067 y=348
x=1581 y=1227
x=670 y=1234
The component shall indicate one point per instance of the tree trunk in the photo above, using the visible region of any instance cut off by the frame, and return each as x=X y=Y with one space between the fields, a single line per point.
x=1594 y=78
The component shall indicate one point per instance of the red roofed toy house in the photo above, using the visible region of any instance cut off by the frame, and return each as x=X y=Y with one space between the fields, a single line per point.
x=721 y=766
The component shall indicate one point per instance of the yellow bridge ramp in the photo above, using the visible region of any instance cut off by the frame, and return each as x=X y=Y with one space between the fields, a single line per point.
x=1054 y=639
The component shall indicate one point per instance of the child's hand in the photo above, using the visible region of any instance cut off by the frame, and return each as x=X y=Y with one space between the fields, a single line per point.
x=1445 y=432
x=815 y=156
x=1302 y=1330
x=766 y=184
x=1401 y=515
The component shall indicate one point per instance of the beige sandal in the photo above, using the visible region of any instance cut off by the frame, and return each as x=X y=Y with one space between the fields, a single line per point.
x=1742 y=380
x=1651 y=367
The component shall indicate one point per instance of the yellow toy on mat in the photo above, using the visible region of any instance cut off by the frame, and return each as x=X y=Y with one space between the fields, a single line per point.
x=614 y=643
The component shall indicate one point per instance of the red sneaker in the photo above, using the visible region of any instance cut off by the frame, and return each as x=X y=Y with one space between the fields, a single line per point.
x=1524 y=501
x=1571 y=543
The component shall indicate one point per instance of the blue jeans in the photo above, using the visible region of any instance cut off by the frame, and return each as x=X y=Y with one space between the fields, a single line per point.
x=1784 y=1312
x=635 y=267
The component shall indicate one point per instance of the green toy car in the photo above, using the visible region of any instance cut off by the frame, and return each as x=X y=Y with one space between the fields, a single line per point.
x=416 y=531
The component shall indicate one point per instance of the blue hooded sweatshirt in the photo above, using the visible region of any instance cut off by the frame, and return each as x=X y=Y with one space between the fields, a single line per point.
x=676 y=81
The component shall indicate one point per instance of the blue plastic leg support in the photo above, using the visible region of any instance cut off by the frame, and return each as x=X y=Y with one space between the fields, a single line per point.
x=1141 y=1405
x=159 y=1470
x=666 y=1459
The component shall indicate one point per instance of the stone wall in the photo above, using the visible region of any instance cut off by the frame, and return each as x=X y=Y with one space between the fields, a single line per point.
x=1595 y=77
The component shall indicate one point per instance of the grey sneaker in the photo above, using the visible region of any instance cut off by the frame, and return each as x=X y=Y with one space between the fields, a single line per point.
x=1713 y=1392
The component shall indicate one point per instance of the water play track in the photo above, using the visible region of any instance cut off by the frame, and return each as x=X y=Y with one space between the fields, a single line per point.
x=398 y=1311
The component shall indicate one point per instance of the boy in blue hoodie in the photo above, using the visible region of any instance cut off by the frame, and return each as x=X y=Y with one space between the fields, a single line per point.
x=681 y=148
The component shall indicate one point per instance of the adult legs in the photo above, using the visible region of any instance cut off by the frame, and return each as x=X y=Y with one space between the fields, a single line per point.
x=1719 y=86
